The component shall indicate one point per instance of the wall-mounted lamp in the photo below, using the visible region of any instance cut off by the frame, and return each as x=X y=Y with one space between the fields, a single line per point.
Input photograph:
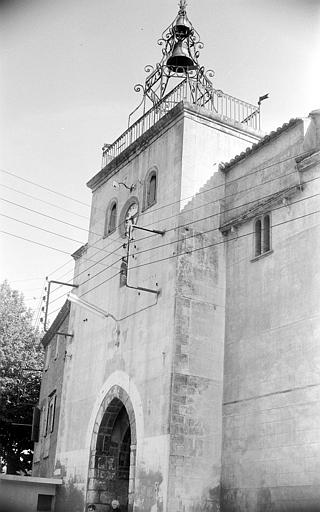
x=96 y=310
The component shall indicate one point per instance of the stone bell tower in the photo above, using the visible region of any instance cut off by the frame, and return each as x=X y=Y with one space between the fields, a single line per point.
x=142 y=396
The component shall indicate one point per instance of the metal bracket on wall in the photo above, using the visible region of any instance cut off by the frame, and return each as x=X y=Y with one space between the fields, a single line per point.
x=47 y=306
x=129 y=236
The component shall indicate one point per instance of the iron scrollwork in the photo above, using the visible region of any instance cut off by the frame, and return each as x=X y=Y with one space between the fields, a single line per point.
x=181 y=45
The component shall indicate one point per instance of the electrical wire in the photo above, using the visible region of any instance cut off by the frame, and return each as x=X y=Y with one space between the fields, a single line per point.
x=210 y=203
x=184 y=239
x=48 y=216
x=146 y=250
x=43 y=201
x=87 y=280
x=169 y=204
x=197 y=195
x=28 y=279
x=209 y=230
x=227 y=183
x=207 y=218
x=199 y=248
x=43 y=187
x=33 y=242
x=38 y=227
x=82 y=228
x=217 y=243
x=189 y=251
x=75 y=276
x=60 y=267
x=36 y=317
x=174 y=202
x=205 y=190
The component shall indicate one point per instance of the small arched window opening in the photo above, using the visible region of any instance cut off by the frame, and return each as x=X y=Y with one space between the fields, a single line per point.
x=257 y=231
x=150 y=189
x=266 y=233
x=111 y=219
x=123 y=272
x=262 y=235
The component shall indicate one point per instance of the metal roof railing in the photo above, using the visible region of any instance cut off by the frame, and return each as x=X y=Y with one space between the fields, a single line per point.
x=216 y=101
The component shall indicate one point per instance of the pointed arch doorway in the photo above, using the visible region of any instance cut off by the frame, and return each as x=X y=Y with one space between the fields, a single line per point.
x=112 y=453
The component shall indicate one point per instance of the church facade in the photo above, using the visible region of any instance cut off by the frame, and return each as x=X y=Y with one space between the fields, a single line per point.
x=191 y=378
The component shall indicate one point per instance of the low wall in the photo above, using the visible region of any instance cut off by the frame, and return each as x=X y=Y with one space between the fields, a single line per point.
x=27 y=494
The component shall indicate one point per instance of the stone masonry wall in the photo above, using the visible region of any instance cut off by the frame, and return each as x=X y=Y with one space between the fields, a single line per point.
x=271 y=413
x=44 y=463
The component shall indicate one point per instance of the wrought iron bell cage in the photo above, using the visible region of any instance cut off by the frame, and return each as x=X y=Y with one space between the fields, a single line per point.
x=177 y=77
x=179 y=66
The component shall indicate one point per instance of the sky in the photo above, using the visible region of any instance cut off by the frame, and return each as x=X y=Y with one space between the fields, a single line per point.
x=68 y=68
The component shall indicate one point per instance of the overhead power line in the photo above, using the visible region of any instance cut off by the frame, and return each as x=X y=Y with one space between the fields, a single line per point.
x=189 y=251
x=28 y=279
x=192 y=236
x=33 y=242
x=44 y=188
x=205 y=190
x=209 y=230
x=185 y=238
x=205 y=204
x=48 y=189
x=43 y=201
x=42 y=229
x=48 y=216
x=171 y=203
x=199 y=220
x=208 y=189
x=146 y=250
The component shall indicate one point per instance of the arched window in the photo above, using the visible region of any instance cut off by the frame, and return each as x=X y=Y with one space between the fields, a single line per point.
x=150 y=195
x=111 y=219
x=262 y=235
x=266 y=233
x=152 y=190
x=257 y=230
x=123 y=272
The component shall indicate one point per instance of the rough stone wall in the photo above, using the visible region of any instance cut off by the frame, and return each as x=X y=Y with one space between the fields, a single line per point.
x=271 y=413
x=44 y=463
x=194 y=473
x=197 y=379
x=169 y=348
x=141 y=348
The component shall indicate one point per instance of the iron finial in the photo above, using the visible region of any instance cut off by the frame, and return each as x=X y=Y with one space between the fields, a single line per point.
x=182 y=6
x=180 y=52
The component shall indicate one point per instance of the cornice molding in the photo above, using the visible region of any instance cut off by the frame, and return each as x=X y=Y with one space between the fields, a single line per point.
x=172 y=117
x=259 y=208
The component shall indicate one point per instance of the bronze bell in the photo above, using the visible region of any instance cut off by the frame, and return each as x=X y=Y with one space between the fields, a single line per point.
x=180 y=60
x=182 y=27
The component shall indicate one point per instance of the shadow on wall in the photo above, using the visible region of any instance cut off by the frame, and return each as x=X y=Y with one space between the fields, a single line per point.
x=69 y=497
x=261 y=500
x=210 y=501
x=149 y=497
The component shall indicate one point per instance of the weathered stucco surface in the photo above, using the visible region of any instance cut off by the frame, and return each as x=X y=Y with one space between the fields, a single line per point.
x=271 y=442
x=219 y=373
x=164 y=345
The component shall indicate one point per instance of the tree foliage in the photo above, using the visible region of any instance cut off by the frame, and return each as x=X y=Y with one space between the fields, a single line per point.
x=20 y=357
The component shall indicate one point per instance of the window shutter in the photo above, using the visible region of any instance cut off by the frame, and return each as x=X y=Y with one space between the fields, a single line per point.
x=35 y=424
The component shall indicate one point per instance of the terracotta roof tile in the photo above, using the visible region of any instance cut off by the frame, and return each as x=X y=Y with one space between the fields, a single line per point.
x=249 y=151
